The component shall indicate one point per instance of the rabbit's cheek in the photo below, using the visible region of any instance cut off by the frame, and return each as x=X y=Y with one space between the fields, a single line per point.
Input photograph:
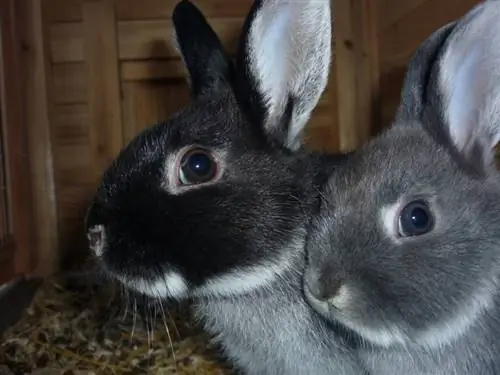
x=171 y=285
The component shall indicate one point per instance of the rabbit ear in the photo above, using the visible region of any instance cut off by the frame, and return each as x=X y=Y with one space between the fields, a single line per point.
x=283 y=64
x=469 y=83
x=418 y=73
x=210 y=69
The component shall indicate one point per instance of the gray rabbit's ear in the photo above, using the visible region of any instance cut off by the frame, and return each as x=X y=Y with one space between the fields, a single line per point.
x=418 y=74
x=469 y=84
x=283 y=64
x=209 y=66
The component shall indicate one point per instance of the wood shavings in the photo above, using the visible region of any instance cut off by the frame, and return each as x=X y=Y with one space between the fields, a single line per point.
x=89 y=329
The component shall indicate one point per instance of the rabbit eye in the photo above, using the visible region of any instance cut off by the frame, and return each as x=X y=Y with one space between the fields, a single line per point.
x=415 y=219
x=197 y=166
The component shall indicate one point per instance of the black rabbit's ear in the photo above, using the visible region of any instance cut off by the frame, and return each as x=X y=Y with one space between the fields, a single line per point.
x=468 y=84
x=209 y=66
x=283 y=64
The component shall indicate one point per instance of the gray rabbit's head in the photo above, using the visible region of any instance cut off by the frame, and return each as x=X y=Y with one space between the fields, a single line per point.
x=406 y=247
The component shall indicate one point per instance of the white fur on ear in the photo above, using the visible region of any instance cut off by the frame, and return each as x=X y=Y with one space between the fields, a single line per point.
x=470 y=81
x=289 y=56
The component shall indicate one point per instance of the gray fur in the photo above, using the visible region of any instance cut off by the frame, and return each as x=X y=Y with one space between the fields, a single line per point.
x=428 y=304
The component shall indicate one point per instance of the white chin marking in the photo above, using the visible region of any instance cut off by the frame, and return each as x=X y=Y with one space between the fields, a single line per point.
x=172 y=285
x=248 y=279
x=342 y=299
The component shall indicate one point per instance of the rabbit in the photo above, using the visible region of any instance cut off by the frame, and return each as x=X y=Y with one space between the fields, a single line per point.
x=212 y=205
x=404 y=252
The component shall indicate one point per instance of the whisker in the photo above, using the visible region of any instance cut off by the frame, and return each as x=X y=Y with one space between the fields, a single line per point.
x=167 y=330
x=127 y=302
x=134 y=319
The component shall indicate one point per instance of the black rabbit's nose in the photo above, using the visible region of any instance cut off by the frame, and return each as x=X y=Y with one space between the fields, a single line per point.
x=95 y=236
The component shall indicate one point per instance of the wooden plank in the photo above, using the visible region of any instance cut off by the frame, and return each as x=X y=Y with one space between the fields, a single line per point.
x=152 y=70
x=71 y=124
x=38 y=90
x=136 y=39
x=398 y=41
x=63 y=10
x=357 y=70
x=66 y=42
x=15 y=145
x=70 y=82
x=154 y=9
x=146 y=103
x=390 y=11
x=105 y=132
x=129 y=10
x=73 y=156
x=153 y=39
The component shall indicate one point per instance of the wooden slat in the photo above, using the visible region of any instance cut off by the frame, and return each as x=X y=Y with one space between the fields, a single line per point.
x=152 y=9
x=15 y=144
x=73 y=201
x=71 y=124
x=73 y=156
x=101 y=54
x=66 y=42
x=357 y=71
x=136 y=39
x=127 y=10
x=398 y=41
x=63 y=10
x=152 y=70
x=390 y=11
x=70 y=83
x=38 y=91
x=81 y=175
x=390 y=92
x=146 y=103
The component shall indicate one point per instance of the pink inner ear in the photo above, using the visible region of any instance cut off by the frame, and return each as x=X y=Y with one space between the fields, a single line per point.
x=470 y=81
x=461 y=111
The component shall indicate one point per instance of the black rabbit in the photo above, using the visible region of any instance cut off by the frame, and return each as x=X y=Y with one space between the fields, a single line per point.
x=213 y=204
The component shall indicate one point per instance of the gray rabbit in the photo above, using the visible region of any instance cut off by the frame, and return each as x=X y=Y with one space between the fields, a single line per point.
x=213 y=204
x=405 y=251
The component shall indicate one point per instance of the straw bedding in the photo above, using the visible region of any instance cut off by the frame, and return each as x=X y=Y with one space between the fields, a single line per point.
x=89 y=328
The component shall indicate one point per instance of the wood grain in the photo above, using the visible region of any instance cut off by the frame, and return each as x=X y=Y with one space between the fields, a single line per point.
x=149 y=39
x=357 y=71
x=101 y=60
x=130 y=10
x=15 y=148
x=37 y=91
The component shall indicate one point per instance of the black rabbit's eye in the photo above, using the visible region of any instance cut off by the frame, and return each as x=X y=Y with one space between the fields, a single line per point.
x=415 y=219
x=197 y=166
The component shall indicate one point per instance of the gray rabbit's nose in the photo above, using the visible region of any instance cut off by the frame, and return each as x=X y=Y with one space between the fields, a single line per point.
x=321 y=288
x=95 y=236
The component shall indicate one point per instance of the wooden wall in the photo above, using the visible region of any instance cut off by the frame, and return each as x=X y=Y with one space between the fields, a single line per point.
x=110 y=71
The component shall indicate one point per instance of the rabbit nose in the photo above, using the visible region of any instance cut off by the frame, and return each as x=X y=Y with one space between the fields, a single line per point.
x=95 y=236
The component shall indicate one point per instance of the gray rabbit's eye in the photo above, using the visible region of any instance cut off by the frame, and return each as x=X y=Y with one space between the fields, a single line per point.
x=197 y=166
x=415 y=219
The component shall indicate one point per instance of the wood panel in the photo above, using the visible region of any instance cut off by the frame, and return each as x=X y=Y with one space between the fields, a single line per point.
x=16 y=244
x=37 y=96
x=413 y=21
x=151 y=39
x=130 y=10
x=357 y=71
x=101 y=58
